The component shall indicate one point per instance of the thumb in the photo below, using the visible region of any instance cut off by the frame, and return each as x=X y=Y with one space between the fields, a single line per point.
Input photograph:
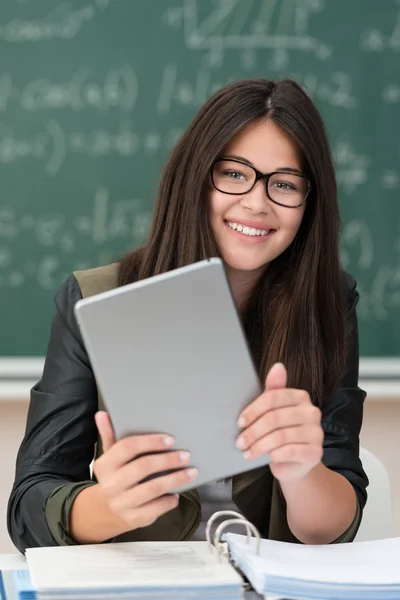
x=276 y=377
x=105 y=429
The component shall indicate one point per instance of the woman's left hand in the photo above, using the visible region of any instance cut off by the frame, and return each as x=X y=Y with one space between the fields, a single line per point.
x=284 y=423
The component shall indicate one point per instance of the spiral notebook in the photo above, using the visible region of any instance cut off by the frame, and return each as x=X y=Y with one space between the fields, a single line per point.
x=226 y=566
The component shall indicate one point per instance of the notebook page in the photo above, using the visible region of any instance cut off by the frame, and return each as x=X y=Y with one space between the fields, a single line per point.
x=129 y=564
x=367 y=563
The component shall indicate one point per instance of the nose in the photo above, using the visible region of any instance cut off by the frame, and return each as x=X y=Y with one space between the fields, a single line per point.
x=257 y=200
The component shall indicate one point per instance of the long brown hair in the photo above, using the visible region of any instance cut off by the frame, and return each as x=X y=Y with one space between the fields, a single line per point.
x=297 y=312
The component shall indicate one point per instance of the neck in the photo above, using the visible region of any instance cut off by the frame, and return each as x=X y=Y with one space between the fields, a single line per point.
x=242 y=285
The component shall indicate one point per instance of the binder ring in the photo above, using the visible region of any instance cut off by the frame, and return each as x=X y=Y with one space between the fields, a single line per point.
x=222 y=513
x=248 y=526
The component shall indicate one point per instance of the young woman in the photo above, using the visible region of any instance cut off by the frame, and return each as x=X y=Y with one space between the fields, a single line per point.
x=252 y=181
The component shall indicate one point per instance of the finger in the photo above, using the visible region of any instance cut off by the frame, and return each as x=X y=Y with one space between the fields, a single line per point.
x=105 y=429
x=123 y=451
x=148 y=491
x=278 y=419
x=147 y=514
x=276 y=377
x=302 y=434
x=132 y=473
x=298 y=453
x=166 y=484
x=271 y=400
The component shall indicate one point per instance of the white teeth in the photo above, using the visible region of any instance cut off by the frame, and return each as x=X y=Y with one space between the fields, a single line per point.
x=248 y=230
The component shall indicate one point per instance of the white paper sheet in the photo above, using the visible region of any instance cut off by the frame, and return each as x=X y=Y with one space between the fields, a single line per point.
x=130 y=564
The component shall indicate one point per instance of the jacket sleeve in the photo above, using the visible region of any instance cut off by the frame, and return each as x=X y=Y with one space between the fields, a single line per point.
x=54 y=457
x=342 y=415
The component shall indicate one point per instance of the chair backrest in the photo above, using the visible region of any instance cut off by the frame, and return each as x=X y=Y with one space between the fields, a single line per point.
x=377 y=521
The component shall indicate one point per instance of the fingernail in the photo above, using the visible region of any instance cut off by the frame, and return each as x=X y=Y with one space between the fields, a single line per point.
x=241 y=422
x=184 y=457
x=240 y=443
x=192 y=473
x=169 y=441
x=247 y=454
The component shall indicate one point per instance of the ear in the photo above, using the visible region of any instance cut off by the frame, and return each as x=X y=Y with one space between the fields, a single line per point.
x=276 y=378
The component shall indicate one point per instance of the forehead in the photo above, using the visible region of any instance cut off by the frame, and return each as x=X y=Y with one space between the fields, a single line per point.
x=266 y=146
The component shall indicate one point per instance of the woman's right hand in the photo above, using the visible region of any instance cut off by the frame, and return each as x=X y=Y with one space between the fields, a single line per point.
x=121 y=469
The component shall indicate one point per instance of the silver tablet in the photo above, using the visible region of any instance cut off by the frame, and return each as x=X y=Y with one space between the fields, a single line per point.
x=170 y=356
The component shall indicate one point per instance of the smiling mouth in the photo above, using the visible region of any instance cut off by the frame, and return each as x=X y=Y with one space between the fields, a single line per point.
x=250 y=231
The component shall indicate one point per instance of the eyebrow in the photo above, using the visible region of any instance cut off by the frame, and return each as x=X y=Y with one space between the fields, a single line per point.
x=247 y=162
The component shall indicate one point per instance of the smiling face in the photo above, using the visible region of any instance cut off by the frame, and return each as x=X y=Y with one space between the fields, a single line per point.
x=250 y=229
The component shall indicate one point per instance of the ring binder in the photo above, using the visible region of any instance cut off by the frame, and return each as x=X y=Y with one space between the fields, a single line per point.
x=223 y=525
x=222 y=547
x=216 y=516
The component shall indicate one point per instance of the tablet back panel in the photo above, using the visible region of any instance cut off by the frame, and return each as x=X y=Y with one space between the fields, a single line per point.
x=169 y=355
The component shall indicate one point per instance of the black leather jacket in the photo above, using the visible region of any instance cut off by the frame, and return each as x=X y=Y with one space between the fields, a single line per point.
x=60 y=436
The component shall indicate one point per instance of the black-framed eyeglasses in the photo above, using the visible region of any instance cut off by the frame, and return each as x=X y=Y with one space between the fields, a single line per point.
x=233 y=176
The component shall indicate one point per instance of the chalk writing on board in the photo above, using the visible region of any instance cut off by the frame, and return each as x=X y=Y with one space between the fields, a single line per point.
x=125 y=219
x=383 y=296
x=376 y=40
x=9 y=229
x=119 y=89
x=351 y=167
x=47 y=272
x=357 y=236
x=396 y=244
x=336 y=89
x=5 y=257
x=121 y=219
x=391 y=93
x=390 y=180
x=101 y=4
x=385 y=291
x=16 y=278
x=52 y=146
x=63 y=22
x=338 y=92
x=377 y=301
x=380 y=299
x=280 y=26
x=108 y=220
x=190 y=94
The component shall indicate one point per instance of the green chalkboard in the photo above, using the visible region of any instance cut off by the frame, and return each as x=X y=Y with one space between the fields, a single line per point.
x=94 y=93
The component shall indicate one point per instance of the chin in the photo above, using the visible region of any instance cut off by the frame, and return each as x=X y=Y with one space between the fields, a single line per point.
x=245 y=265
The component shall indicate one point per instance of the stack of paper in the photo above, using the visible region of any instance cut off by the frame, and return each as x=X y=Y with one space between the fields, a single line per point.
x=144 y=570
x=367 y=570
